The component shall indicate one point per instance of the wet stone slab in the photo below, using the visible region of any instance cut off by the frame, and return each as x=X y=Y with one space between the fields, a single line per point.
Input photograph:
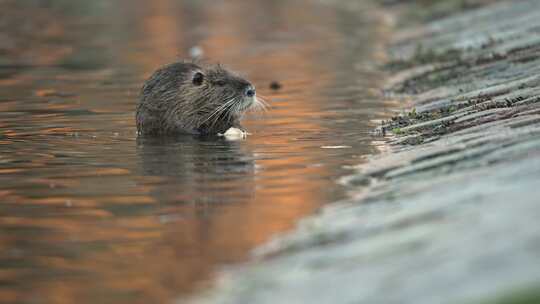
x=450 y=213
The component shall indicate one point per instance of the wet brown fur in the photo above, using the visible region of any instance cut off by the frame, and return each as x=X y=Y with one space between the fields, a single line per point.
x=170 y=102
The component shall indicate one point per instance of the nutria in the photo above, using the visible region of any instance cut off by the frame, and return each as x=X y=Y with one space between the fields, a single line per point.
x=185 y=97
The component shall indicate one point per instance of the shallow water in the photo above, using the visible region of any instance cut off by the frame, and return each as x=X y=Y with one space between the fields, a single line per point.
x=90 y=213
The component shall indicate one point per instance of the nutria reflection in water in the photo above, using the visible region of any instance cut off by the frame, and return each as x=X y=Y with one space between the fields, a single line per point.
x=187 y=98
x=192 y=161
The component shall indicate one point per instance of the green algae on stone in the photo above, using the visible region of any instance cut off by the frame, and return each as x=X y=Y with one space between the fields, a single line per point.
x=523 y=296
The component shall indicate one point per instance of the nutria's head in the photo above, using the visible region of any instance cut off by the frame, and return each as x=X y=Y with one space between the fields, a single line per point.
x=186 y=97
x=217 y=90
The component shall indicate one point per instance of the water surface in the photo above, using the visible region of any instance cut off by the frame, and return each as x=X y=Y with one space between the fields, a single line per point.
x=90 y=213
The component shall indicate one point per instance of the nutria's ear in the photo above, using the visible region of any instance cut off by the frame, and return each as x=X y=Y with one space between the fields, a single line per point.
x=198 y=78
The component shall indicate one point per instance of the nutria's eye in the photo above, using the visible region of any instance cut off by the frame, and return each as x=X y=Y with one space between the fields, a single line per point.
x=198 y=78
x=220 y=83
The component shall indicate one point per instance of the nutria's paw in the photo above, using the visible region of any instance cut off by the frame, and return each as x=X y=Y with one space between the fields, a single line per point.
x=235 y=133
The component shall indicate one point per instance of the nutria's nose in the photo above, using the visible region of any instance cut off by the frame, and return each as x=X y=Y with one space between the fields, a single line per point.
x=250 y=91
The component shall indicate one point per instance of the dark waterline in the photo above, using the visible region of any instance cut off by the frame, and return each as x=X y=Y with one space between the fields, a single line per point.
x=89 y=213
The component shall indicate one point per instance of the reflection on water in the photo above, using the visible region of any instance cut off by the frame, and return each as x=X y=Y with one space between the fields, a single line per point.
x=89 y=213
x=210 y=171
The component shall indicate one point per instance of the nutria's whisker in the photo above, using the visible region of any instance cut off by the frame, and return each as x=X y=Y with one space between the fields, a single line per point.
x=225 y=109
x=218 y=109
x=222 y=107
x=262 y=99
x=258 y=105
x=263 y=103
x=262 y=96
